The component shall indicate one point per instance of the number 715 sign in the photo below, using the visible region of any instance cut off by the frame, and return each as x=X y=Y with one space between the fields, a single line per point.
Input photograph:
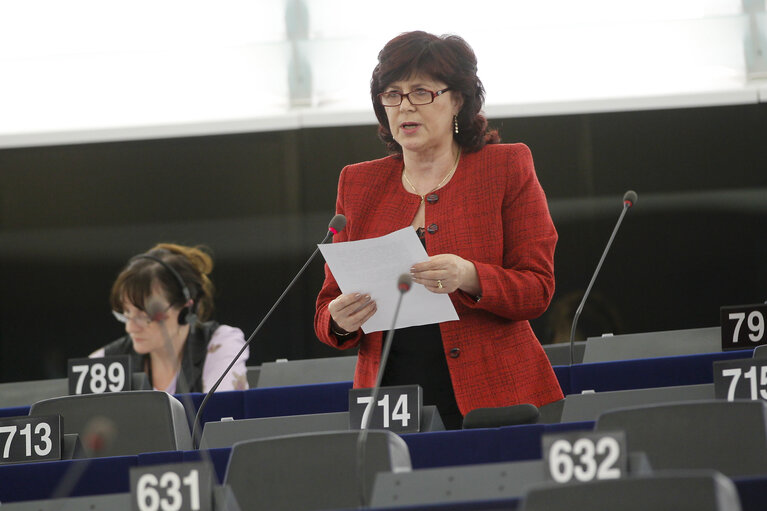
x=740 y=379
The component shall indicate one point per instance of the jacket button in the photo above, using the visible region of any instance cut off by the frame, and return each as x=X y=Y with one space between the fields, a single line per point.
x=432 y=228
x=455 y=352
x=432 y=198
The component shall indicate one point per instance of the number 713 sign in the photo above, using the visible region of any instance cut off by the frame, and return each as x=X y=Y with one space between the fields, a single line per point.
x=26 y=439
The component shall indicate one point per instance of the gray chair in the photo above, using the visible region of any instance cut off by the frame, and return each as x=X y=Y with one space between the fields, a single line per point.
x=588 y=406
x=760 y=352
x=305 y=372
x=252 y=375
x=464 y=483
x=226 y=433
x=312 y=471
x=653 y=344
x=223 y=500
x=488 y=481
x=680 y=491
x=559 y=353
x=121 y=423
x=24 y=393
x=727 y=436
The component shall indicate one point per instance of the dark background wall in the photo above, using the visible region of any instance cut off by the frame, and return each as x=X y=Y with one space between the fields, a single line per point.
x=72 y=215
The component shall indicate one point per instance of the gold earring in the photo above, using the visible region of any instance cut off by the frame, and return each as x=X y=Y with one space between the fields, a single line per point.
x=455 y=124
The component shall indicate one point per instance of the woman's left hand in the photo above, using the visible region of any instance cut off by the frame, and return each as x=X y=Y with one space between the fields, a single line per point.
x=445 y=273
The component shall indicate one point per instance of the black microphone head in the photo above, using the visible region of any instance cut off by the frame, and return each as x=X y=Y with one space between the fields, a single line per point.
x=98 y=435
x=155 y=309
x=630 y=198
x=404 y=282
x=337 y=224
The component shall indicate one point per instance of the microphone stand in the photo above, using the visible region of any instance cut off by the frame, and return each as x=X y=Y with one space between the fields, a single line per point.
x=403 y=284
x=195 y=434
x=629 y=198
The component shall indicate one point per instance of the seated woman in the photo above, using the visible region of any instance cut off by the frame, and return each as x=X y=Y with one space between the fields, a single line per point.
x=165 y=298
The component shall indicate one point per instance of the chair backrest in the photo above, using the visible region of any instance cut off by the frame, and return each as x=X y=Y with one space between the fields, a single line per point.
x=587 y=407
x=760 y=352
x=681 y=491
x=559 y=353
x=24 y=393
x=728 y=436
x=121 y=423
x=312 y=471
x=305 y=372
x=653 y=344
x=226 y=433
x=223 y=500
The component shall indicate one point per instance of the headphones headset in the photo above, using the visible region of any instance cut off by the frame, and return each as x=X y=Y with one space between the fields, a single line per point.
x=187 y=315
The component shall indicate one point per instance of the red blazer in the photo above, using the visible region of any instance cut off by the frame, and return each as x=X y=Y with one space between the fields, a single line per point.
x=493 y=212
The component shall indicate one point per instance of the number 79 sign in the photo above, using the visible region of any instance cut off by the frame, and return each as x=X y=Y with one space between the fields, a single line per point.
x=743 y=326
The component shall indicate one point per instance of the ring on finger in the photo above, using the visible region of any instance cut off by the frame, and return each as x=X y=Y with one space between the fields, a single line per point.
x=439 y=284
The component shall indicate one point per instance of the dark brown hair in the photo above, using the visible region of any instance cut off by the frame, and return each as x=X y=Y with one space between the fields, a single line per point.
x=136 y=280
x=448 y=59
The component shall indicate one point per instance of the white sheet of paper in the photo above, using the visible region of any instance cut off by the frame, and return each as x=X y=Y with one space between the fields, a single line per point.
x=373 y=266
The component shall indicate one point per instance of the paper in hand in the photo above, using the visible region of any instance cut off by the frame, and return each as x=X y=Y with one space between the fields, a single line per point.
x=372 y=266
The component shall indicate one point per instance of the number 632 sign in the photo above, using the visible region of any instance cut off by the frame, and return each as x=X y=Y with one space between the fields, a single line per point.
x=585 y=456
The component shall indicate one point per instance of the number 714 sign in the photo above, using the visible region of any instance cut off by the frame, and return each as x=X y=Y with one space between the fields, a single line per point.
x=397 y=408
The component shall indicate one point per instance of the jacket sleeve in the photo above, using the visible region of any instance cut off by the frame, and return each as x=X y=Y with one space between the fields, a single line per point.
x=224 y=345
x=330 y=289
x=522 y=287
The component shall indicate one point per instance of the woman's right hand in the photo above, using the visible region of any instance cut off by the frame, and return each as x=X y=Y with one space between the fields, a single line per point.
x=350 y=311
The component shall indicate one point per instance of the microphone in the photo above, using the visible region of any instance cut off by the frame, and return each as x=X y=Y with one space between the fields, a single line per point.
x=629 y=199
x=404 y=283
x=336 y=225
x=156 y=312
x=98 y=436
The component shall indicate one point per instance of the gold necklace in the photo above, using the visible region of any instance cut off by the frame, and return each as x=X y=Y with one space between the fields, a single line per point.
x=441 y=183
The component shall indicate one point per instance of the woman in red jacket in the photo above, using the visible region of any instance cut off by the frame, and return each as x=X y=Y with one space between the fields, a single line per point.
x=482 y=215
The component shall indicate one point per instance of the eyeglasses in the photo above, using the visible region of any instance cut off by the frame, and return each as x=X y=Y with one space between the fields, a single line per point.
x=416 y=97
x=141 y=319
